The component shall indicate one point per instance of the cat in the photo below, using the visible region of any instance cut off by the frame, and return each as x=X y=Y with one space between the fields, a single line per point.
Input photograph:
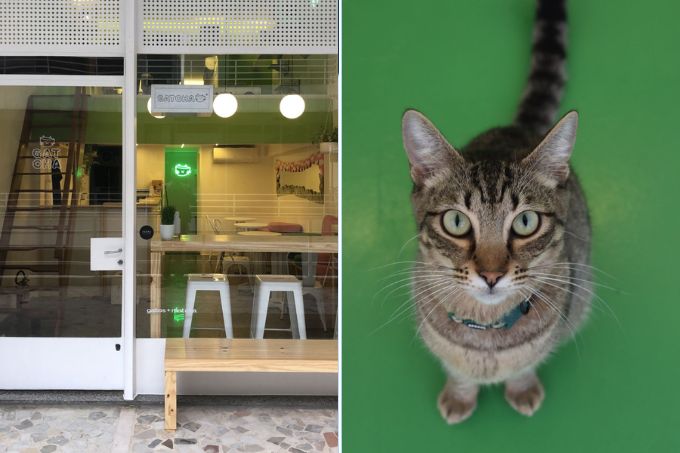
x=503 y=271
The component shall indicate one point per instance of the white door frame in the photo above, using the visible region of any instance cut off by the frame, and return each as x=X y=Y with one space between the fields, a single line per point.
x=129 y=38
x=70 y=363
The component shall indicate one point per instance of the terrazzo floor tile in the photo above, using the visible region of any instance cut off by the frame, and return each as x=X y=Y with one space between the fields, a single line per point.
x=201 y=429
x=58 y=428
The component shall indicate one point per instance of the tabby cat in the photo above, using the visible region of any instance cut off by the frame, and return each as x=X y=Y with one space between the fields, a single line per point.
x=504 y=238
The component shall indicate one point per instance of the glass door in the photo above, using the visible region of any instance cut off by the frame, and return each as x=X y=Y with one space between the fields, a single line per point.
x=60 y=187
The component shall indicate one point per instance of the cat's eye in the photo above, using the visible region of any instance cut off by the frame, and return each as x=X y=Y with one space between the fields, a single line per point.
x=526 y=223
x=456 y=223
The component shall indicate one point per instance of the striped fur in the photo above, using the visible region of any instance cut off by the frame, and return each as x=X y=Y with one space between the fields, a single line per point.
x=538 y=108
x=495 y=178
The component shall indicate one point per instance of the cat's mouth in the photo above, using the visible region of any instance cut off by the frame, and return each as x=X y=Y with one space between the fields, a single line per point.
x=490 y=295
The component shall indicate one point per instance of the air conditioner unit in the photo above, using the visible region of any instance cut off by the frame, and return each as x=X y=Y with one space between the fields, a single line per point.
x=237 y=154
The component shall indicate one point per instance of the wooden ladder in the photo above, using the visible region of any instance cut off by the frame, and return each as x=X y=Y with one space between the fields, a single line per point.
x=25 y=174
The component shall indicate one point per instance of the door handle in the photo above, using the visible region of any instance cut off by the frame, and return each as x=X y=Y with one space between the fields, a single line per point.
x=113 y=252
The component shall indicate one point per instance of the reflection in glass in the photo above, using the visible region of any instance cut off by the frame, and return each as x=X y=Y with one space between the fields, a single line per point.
x=60 y=186
x=237 y=223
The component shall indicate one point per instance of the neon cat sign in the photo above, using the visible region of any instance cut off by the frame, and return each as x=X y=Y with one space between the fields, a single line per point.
x=182 y=170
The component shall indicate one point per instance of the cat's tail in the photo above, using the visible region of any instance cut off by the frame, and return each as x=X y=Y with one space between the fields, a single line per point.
x=538 y=107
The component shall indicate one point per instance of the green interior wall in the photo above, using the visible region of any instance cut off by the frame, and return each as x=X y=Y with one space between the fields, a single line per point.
x=257 y=121
x=182 y=191
x=464 y=64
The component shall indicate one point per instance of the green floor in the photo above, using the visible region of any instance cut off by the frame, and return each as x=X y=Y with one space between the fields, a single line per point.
x=463 y=63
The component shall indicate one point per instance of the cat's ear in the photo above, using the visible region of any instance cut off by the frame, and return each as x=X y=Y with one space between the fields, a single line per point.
x=427 y=150
x=551 y=157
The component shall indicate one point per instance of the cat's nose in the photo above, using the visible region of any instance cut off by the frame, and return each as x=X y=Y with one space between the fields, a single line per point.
x=491 y=278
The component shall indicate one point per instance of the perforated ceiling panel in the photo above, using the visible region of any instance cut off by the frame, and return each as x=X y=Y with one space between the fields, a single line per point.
x=239 y=26
x=60 y=27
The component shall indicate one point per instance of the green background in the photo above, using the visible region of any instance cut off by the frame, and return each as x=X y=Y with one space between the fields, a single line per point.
x=464 y=64
x=182 y=191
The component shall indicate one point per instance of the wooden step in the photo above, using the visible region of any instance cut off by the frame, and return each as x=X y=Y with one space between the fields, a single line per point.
x=60 y=156
x=40 y=228
x=43 y=268
x=40 y=191
x=35 y=110
x=27 y=209
x=25 y=248
x=36 y=173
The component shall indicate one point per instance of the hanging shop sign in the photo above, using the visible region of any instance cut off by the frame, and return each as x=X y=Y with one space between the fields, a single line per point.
x=181 y=98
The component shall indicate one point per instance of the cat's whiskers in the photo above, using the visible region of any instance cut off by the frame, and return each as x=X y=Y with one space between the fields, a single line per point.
x=409 y=284
x=575 y=236
x=568 y=281
x=455 y=293
x=415 y=272
x=550 y=282
x=408 y=278
x=570 y=278
x=551 y=305
x=569 y=264
x=582 y=297
x=400 y=310
x=408 y=306
x=411 y=277
x=401 y=250
x=526 y=295
x=409 y=263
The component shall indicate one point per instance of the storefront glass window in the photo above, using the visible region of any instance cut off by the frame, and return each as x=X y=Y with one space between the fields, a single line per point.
x=249 y=189
x=60 y=187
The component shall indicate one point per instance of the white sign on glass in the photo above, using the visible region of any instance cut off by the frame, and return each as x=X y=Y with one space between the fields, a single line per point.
x=106 y=254
x=181 y=98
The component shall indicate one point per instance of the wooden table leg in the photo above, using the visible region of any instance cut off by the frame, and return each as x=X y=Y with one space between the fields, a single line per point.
x=155 y=295
x=170 y=400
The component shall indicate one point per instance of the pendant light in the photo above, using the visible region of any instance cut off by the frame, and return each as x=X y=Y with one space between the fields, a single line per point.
x=292 y=106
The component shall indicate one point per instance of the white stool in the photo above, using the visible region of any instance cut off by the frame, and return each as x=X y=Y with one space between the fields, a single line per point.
x=264 y=286
x=208 y=282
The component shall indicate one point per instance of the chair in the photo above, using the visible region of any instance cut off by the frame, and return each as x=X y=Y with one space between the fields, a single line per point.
x=264 y=286
x=226 y=258
x=284 y=227
x=321 y=265
x=241 y=262
x=207 y=282
x=313 y=287
x=327 y=262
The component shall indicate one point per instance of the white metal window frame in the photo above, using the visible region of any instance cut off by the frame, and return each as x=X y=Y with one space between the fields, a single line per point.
x=96 y=359
x=142 y=359
x=100 y=366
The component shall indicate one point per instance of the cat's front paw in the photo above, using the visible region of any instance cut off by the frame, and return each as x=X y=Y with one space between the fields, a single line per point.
x=454 y=406
x=525 y=395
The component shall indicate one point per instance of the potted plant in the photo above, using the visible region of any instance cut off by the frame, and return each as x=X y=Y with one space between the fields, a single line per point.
x=168 y=222
x=328 y=140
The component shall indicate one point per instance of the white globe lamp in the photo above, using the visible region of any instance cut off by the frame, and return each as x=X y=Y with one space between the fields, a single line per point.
x=225 y=105
x=155 y=115
x=292 y=106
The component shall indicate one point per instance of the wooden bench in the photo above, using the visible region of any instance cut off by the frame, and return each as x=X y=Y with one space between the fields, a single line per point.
x=242 y=355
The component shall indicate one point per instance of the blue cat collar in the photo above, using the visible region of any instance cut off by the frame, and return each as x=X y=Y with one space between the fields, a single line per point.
x=507 y=321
